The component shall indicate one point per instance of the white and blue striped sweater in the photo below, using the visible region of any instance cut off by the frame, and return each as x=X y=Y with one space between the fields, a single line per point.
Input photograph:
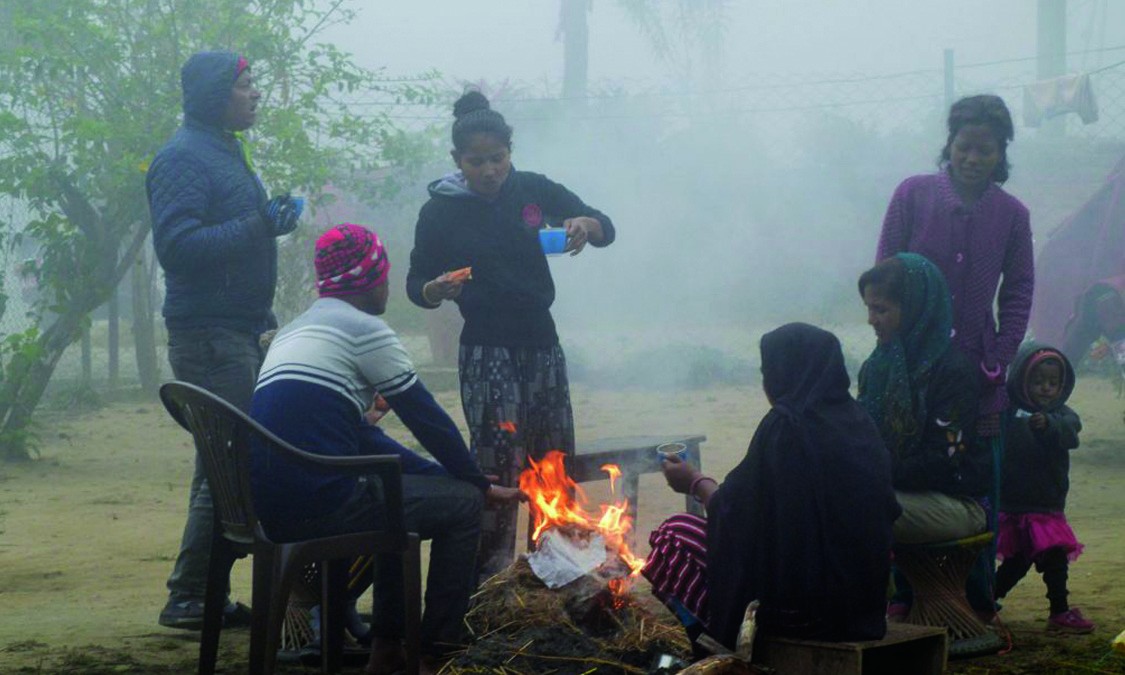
x=320 y=375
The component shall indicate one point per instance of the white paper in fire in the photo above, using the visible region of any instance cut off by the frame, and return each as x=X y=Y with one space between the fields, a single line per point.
x=559 y=559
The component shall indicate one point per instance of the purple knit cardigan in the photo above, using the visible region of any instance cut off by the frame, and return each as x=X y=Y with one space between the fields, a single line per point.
x=979 y=249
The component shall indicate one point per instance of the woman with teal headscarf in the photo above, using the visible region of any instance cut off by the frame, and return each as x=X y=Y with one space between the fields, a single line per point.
x=923 y=395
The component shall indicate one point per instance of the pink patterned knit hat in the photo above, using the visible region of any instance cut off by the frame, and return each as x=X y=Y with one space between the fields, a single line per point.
x=350 y=260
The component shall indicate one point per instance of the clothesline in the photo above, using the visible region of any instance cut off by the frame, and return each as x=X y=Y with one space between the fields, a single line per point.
x=1109 y=67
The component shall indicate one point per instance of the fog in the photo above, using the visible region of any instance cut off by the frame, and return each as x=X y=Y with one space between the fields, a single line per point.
x=746 y=151
x=746 y=163
x=501 y=39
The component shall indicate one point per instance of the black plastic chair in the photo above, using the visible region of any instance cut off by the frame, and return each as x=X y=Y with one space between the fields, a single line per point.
x=222 y=436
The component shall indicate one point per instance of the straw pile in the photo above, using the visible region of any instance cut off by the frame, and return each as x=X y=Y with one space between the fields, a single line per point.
x=518 y=625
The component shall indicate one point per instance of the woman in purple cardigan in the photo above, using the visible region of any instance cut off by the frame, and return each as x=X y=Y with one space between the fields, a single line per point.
x=978 y=235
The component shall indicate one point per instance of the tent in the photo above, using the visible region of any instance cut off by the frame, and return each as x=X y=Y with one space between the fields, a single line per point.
x=1086 y=252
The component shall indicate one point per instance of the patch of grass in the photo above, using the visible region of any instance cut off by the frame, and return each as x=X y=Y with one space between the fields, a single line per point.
x=1104 y=453
x=76 y=398
x=24 y=646
x=440 y=379
x=157 y=558
x=1038 y=654
x=678 y=366
x=113 y=501
x=95 y=660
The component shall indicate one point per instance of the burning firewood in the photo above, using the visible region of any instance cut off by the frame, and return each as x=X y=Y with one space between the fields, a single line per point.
x=518 y=625
x=568 y=606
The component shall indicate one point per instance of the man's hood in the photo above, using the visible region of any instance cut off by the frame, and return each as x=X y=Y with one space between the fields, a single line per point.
x=207 y=79
x=1031 y=353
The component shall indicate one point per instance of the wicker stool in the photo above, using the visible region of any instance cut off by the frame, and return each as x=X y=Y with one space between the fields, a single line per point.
x=297 y=629
x=937 y=572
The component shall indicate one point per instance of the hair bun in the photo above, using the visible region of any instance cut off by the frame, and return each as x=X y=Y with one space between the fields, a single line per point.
x=470 y=101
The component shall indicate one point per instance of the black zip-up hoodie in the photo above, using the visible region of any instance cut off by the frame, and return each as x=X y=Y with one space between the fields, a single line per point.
x=1036 y=468
x=507 y=303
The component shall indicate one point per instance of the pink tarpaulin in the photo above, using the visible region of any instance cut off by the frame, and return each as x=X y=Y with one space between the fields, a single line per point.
x=1088 y=248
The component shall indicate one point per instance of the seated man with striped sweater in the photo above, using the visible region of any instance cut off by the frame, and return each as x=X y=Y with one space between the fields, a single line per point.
x=321 y=373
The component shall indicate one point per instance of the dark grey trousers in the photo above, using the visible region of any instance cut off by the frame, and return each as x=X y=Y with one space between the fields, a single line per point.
x=225 y=363
x=444 y=510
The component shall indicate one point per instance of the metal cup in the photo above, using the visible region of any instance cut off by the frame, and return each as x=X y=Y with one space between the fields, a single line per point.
x=670 y=450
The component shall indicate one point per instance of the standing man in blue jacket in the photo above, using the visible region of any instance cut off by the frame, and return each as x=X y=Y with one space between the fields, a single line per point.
x=214 y=229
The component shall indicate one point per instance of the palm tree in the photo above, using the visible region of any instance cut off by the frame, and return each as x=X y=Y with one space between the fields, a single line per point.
x=697 y=23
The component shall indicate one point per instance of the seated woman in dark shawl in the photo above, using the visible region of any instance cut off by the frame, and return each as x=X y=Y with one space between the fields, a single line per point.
x=923 y=395
x=802 y=524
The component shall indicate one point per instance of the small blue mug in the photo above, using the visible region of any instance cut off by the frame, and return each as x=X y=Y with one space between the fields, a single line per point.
x=552 y=240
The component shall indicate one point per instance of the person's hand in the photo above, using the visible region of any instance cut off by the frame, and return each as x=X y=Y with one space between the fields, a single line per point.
x=445 y=287
x=993 y=374
x=579 y=231
x=679 y=474
x=378 y=410
x=283 y=212
x=1038 y=421
x=498 y=494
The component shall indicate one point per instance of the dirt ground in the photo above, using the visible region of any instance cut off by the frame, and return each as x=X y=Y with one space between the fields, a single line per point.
x=88 y=532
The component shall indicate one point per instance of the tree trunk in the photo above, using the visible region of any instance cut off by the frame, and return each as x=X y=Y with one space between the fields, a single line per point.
x=29 y=375
x=113 y=338
x=576 y=53
x=87 y=359
x=144 y=333
x=24 y=390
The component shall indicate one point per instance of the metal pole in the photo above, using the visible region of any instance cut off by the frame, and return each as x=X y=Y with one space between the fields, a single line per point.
x=948 y=78
x=1051 y=51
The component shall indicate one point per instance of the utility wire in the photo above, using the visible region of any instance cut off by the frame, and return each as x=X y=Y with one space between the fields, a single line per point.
x=740 y=88
x=981 y=64
x=692 y=114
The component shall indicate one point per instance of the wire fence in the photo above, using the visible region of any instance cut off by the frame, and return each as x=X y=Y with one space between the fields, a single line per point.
x=889 y=101
x=18 y=283
x=910 y=102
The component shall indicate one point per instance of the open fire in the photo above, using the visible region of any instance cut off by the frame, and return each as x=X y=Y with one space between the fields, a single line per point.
x=566 y=606
x=559 y=510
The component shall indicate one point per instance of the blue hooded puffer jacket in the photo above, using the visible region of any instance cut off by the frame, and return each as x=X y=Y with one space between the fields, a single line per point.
x=218 y=253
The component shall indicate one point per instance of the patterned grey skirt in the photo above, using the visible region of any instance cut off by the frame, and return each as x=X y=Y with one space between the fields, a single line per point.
x=517 y=404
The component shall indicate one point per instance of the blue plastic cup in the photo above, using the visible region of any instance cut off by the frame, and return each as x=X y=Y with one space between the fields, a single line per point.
x=552 y=240
x=670 y=450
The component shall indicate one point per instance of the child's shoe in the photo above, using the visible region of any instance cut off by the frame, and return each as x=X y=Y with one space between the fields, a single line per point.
x=1070 y=621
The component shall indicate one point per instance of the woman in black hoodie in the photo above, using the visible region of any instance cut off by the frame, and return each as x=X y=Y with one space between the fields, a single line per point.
x=487 y=217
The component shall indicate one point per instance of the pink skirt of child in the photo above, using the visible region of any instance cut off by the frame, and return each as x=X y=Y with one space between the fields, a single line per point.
x=1029 y=534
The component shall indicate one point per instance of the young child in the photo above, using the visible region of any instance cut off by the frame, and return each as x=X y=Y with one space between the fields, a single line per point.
x=1040 y=434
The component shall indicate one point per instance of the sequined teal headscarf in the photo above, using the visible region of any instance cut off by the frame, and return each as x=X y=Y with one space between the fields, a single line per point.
x=892 y=382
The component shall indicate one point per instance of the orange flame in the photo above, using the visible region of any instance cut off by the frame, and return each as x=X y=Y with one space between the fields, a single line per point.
x=556 y=500
x=614 y=472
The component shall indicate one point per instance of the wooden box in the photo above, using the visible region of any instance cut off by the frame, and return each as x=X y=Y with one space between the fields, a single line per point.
x=917 y=650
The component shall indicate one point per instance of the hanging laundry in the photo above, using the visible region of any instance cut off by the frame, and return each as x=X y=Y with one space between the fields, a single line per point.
x=1049 y=98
